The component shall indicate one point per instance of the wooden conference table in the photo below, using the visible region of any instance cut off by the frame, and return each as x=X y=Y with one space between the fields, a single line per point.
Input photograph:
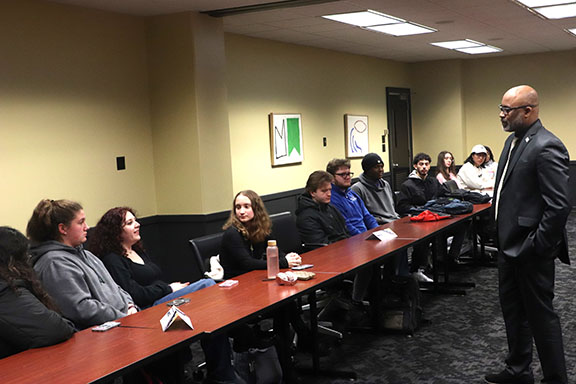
x=99 y=356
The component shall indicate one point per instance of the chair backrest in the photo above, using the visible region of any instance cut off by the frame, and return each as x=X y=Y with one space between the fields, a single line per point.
x=205 y=247
x=285 y=231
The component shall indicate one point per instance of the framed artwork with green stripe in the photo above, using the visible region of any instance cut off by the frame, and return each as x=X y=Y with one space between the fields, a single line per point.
x=286 y=139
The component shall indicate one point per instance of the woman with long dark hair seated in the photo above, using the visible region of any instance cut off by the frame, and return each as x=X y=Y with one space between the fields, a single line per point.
x=116 y=240
x=28 y=316
x=446 y=168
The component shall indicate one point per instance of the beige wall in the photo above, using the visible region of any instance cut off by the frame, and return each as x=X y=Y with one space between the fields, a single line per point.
x=321 y=85
x=482 y=83
x=438 y=108
x=188 y=106
x=552 y=74
x=73 y=96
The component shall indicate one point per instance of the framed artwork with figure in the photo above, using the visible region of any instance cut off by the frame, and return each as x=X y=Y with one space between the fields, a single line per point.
x=356 y=131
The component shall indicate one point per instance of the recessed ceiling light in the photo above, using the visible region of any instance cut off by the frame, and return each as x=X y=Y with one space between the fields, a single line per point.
x=401 y=29
x=543 y=3
x=480 y=50
x=364 y=18
x=557 y=11
x=455 y=44
x=571 y=30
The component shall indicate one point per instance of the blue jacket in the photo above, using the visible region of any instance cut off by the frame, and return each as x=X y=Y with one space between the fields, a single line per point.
x=351 y=206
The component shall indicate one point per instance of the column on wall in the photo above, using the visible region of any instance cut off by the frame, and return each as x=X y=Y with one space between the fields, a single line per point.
x=189 y=114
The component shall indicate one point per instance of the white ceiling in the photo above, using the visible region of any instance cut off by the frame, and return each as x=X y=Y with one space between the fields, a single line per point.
x=502 y=23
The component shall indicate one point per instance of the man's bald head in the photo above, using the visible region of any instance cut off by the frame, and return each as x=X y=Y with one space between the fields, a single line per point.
x=519 y=108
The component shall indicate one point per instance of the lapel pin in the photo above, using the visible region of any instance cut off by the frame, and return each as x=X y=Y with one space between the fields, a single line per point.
x=527 y=139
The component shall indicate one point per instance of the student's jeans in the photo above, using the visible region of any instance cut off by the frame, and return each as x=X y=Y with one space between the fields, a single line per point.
x=193 y=287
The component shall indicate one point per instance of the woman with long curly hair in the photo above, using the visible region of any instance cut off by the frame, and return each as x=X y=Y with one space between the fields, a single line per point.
x=247 y=232
x=28 y=315
x=116 y=240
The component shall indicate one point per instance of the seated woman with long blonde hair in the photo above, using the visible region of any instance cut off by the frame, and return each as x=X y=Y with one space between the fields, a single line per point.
x=245 y=238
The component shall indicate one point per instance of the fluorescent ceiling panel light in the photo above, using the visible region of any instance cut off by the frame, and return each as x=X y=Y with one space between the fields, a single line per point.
x=543 y=3
x=572 y=31
x=364 y=18
x=480 y=50
x=455 y=44
x=401 y=29
x=557 y=11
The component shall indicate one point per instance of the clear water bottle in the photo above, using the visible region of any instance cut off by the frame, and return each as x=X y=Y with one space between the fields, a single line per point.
x=272 y=262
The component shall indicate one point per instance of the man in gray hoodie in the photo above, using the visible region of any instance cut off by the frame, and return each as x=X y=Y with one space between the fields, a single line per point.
x=375 y=191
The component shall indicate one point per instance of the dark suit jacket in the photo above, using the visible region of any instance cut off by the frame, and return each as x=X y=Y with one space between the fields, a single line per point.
x=534 y=204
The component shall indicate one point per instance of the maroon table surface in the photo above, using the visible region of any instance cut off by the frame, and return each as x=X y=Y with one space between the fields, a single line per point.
x=416 y=230
x=347 y=255
x=221 y=307
x=91 y=356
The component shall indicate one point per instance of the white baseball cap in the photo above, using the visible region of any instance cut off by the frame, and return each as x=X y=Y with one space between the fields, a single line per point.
x=479 y=148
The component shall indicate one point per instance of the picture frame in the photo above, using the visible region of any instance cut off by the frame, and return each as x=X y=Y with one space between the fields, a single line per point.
x=285 y=139
x=356 y=135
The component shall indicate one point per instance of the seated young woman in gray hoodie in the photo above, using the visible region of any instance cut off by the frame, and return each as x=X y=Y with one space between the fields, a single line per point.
x=76 y=279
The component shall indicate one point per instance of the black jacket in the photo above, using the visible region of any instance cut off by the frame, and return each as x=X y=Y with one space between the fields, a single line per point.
x=238 y=255
x=26 y=323
x=534 y=201
x=319 y=223
x=415 y=192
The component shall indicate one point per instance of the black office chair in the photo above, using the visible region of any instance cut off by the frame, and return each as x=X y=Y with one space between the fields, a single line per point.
x=285 y=231
x=203 y=248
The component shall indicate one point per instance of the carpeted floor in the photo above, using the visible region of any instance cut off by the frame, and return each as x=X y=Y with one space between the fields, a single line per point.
x=464 y=340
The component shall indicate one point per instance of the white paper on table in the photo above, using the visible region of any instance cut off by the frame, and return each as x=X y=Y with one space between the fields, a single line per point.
x=382 y=235
x=170 y=317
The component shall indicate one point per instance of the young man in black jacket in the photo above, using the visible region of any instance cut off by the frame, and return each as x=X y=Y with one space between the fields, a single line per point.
x=419 y=187
x=318 y=221
x=416 y=191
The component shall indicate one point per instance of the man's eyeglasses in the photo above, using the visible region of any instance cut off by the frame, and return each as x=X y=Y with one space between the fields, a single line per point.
x=345 y=174
x=506 y=110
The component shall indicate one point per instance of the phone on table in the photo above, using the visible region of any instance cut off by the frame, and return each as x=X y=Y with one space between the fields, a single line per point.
x=106 y=326
x=178 y=301
x=302 y=266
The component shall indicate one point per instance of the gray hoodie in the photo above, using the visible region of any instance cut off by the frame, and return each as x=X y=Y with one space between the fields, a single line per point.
x=378 y=198
x=79 y=283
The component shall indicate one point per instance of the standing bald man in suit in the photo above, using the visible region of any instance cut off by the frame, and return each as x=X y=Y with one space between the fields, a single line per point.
x=531 y=208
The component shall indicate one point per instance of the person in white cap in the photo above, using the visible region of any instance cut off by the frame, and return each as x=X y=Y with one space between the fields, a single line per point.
x=474 y=175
